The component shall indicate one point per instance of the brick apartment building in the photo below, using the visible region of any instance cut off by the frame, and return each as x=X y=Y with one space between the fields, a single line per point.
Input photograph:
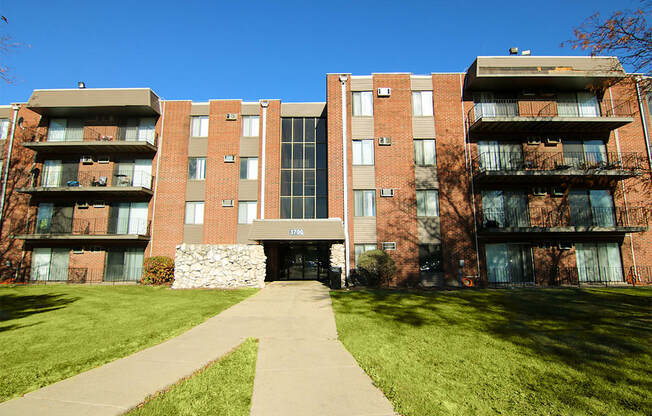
x=523 y=170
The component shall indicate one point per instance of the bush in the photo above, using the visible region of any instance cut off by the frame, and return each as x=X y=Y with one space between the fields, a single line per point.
x=376 y=268
x=158 y=270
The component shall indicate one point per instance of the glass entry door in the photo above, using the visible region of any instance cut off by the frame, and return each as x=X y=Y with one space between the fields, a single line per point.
x=303 y=261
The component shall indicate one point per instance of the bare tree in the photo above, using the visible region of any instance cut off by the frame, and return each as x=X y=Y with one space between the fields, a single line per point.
x=7 y=44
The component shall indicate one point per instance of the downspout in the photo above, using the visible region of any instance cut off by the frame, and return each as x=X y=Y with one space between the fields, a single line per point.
x=16 y=107
x=644 y=122
x=263 y=155
x=345 y=174
x=158 y=164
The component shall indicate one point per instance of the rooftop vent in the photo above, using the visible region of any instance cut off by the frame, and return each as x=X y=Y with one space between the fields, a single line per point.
x=513 y=51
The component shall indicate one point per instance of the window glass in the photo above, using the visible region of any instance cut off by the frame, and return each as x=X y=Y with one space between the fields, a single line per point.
x=430 y=258
x=363 y=152
x=424 y=152
x=422 y=103
x=199 y=126
x=250 y=125
x=4 y=128
x=363 y=103
x=197 y=168
x=247 y=211
x=195 y=212
x=362 y=248
x=364 y=203
x=248 y=168
x=428 y=203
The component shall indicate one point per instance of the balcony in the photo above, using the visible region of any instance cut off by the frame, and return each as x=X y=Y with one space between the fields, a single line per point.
x=91 y=142
x=568 y=276
x=67 y=231
x=55 y=274
x=535 y=116
x=545 y=167
x=563 y=222
x=96 y=184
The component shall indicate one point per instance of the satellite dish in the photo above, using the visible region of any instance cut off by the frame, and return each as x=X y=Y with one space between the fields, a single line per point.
x=20 y=123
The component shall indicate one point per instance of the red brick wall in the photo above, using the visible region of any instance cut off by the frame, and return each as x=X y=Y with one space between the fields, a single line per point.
x=272 y=161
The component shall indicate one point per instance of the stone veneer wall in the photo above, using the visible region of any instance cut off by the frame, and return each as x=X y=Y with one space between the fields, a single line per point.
x=337 y=259
x=219 y=266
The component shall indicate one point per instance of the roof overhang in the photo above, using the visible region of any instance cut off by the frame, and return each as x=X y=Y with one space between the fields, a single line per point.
x=84 y=101
x=297 y=230
x=542 y=72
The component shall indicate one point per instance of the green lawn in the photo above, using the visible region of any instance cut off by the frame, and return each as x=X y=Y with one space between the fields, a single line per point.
x=223 y=388
x=504 y=352
x=48 y=333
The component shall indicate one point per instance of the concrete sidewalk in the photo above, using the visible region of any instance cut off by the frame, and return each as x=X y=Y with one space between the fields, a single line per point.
x=302 y=368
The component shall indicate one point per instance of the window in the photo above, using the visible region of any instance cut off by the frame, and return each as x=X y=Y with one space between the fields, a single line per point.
x=199 y=126
x=195 y=212
x=430 y=258
x=594 y=207
x=124 y=264
x=428 y=203
x=500 y=156
x=486 y=104
x=197 y=168
x=61 y=129
x=248 y=168
x=585 y=154
x=578 y=104
x=128 y=218
x=424 y=152
x=364 y=203
x=505 y=209
x=304 y=183
x=137 y=130
x=363 y=152
x=250 y=125
x=599 y=262
x=421 y=103
x=4 y=128
x=50 y=263
x=358 y=249
x=509 y=263
x=363 y=103
x=247 y=211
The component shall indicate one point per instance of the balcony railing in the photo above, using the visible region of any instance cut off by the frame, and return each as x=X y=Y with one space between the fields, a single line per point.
x=113 y=273
x=640 y=275
x=93 y=226
x=91 y=135
x=547 y=108
x=549 y=218
x=605 y=275
x=99 y=178
x=590 y=162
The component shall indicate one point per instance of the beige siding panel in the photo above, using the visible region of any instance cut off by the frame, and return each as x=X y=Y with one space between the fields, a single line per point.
x=428 y=230
x=426 y=177
x=365 y=83
x=193 y=233
x=364 y=177
x=143 y=100
x=248 y=190
x=423 y=127
x=242 y=234
x=364 y=230
x=362 y=127
x=199 y=109
x=198 y=147
x=195 y=190
x=421 y=83
x=303 y=109
x=249 y=146
x=250 y=109
x=302 y=230
x=5 y=111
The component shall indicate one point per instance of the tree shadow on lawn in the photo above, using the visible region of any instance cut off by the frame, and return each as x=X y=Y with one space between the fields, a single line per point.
x=591 y=331
x=17 y=306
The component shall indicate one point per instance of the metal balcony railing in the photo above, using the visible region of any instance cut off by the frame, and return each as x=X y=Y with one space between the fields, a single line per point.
x=99 y=178
x=566 y=217
x=89 y=135
x=511 y=107
x=588 y=275
x=111 y=273
x=93 y=226
x=590 y=162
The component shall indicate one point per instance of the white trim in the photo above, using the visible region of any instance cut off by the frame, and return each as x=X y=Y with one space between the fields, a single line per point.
x=263 y=158
x=159 y=152
x=343 y=79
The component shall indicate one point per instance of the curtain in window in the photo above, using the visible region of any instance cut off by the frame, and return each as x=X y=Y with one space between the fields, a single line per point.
x=138 y=218
x=429 y=152
x=358 y=202
x=485 y=105
x=41 y=263
x=362 y=103
x=369 y=204
x=497 y=263
x=516 y=209
x=44 y=218
x=573 y=153
x=146 y=130
x=59 y=267
x=489 y=152
x=133 y=264
x=131 y=130
x=124 y=173
x=252 y=168
x=598 y=262
x=4 y=128
x=580 y=208
x=57 y=130
x=509 y=263
x=602 y=208
x=595 y=152
x=588 y=104
x=493 y=209
x=52 y=170
x=567 y=105
x=250 y=125
x=199 y=126
x=143 y=173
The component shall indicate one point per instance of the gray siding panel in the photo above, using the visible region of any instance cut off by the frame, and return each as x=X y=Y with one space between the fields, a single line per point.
x=364 y=177
x=421 y=83
x=250 y=109
x=425 y=177
x=193 y=233
x=249 y=146
x=362 y=127
x=195 y=190
x=428 y=230
x=365 y=83
x=198 y=147
x=423 y=127
x=248 y=190
x=364 y=230
x=303 y=109
x=199 y=109
x=242 y=234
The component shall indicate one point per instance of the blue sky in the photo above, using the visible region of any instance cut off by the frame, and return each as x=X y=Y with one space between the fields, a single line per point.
x=200 y=50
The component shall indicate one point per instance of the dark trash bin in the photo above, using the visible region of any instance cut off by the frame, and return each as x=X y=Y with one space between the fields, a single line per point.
x=335 y=277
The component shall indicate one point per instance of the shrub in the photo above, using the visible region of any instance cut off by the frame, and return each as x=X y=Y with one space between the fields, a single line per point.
x=158 y=270
x=376 y=267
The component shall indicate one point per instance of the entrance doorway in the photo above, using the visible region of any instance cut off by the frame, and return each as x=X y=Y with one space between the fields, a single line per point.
x=297 y=260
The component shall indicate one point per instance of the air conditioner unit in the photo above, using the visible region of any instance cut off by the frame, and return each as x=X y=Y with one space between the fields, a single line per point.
x=529 y=93
x=552 y=141
x=384 y=141
x=389 y=245
x=229 y=158
x=564 y=245
x=103 y=159
x=231 y=116
x=388 y=192
x=87 y=160
x=556 y=191
x=99 y=204
x=539 y=191
x=384 y=92
x=533 y=140
x=78 y=251
x=82 y=205
x=227 y=202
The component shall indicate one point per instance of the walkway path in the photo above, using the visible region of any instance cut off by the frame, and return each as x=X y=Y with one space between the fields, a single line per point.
x=302 y=368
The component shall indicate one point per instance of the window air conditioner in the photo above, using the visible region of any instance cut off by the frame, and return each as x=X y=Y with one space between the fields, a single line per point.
x=555 y=191
x=384 y=141
x=87 y=160
x=552 y=141
x=533 y=140
x=384 y=92
x=388 y=192
x=229 y=158
x=389 y=245
x=565 y=245
x=231 y=116
x=82 y=205
x=103 y=159
x=538 y=190
x=227 y=202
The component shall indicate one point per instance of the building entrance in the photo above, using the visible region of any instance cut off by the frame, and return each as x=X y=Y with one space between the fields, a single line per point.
x=297 y=260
